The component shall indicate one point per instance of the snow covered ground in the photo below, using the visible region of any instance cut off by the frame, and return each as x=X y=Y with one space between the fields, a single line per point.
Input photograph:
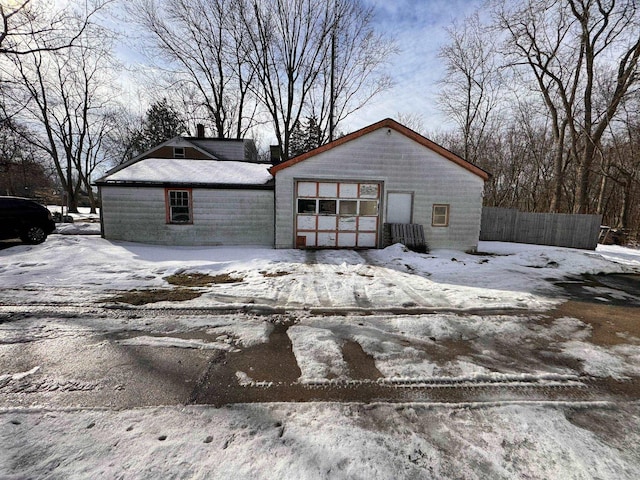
x=508 y=276
x=395 y=304
x=322 y=441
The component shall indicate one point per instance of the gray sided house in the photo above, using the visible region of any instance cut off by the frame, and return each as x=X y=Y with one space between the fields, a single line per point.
x=190 y=191
x=341 y=194
x=197 y=191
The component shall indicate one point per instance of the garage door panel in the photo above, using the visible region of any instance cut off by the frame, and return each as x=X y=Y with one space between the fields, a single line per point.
x=348 y=190
x=327 y=239
x=348 y=224
x=366 y=239
x=369 y=190
x=368 y=223
x=346 y=239
x=327 y=222
x=307 y=189
x=310 y=238
x=326 y=189
x=307 y=222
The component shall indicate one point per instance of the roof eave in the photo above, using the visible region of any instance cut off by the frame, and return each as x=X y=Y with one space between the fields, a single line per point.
x=222 y=186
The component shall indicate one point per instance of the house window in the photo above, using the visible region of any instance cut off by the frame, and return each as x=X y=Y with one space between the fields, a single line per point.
x=440 y=216
x=179 y=206
x=178 y=152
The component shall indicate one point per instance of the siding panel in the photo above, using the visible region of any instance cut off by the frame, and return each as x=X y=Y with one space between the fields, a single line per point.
x=220 y=217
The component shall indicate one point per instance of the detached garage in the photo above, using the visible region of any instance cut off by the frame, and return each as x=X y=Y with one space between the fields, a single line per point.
x=341 y=194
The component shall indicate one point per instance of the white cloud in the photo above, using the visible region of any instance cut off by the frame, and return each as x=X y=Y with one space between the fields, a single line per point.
x=419 y=30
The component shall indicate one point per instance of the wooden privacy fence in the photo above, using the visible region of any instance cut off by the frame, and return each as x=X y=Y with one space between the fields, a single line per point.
x=559 y=229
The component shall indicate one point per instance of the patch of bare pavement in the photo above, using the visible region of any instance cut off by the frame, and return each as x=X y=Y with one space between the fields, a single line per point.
x=103 y=369
x=275 y=378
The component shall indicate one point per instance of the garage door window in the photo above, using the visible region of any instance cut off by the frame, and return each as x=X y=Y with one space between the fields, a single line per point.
x=368 y=208
x=348 y=207
x=179 y=208
x=327 y=207
x=306 y=206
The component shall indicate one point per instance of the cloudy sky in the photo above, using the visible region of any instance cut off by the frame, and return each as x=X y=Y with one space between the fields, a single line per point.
x=419 y=29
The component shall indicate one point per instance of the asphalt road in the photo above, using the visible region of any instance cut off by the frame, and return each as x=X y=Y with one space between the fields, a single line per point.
x=88 y=360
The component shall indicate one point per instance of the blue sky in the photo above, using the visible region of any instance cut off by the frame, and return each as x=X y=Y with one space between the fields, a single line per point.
x=419 y=29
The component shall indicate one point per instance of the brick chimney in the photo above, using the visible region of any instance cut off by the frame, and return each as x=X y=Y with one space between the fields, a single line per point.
x=276 y=154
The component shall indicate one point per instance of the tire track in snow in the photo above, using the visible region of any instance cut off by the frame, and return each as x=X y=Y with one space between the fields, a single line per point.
x=483 y=391
x=320 y=287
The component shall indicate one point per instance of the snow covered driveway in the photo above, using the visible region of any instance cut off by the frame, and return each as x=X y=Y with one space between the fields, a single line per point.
x=374 y=364
x=86 y=269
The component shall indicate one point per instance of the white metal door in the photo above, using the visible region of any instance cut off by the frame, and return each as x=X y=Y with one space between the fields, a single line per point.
x=399 y=207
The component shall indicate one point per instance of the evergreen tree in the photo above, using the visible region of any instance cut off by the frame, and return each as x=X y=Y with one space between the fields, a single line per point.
x=161 y=123
x=297 y=142
x=305 y=137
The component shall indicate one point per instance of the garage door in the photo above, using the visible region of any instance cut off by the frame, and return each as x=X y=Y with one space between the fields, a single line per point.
x=337 y=214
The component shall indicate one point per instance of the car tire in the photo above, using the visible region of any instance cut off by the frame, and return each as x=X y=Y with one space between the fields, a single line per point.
x=33 y=235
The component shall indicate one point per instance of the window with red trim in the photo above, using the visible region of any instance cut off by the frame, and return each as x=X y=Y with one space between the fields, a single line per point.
x=179 y=206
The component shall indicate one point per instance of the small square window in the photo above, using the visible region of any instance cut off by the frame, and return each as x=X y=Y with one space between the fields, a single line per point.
x=179 y=206
x=440 y=216
x=327 y=207
x=306 y=206
x=178 y=152
x=368 y=207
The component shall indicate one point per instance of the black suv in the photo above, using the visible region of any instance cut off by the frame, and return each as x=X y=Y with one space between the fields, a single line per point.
x=20 y=217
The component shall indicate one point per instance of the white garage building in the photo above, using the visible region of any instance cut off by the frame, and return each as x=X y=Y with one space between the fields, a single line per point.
x=341 y=194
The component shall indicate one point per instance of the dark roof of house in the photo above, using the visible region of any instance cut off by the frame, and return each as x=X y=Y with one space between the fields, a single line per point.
x=386 y=123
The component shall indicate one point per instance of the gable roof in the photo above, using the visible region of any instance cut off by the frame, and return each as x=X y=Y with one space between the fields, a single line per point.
x=235 y=149
x=386 y=123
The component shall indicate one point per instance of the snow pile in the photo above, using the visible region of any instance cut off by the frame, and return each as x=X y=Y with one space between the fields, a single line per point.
x=147 y=341
x=317 y=352
x=511 y=276
x=78 y=228
x=618 y=361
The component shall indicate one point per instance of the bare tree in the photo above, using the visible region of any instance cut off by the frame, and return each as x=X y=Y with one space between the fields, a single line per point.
x=201 y=42
x=22 y=171
x=68 y=102
x=290 y=47
x=28 y=26
x=353 y=72
x=619 y=189
x=414 y=121
x=473 y=86
x=567 y=46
